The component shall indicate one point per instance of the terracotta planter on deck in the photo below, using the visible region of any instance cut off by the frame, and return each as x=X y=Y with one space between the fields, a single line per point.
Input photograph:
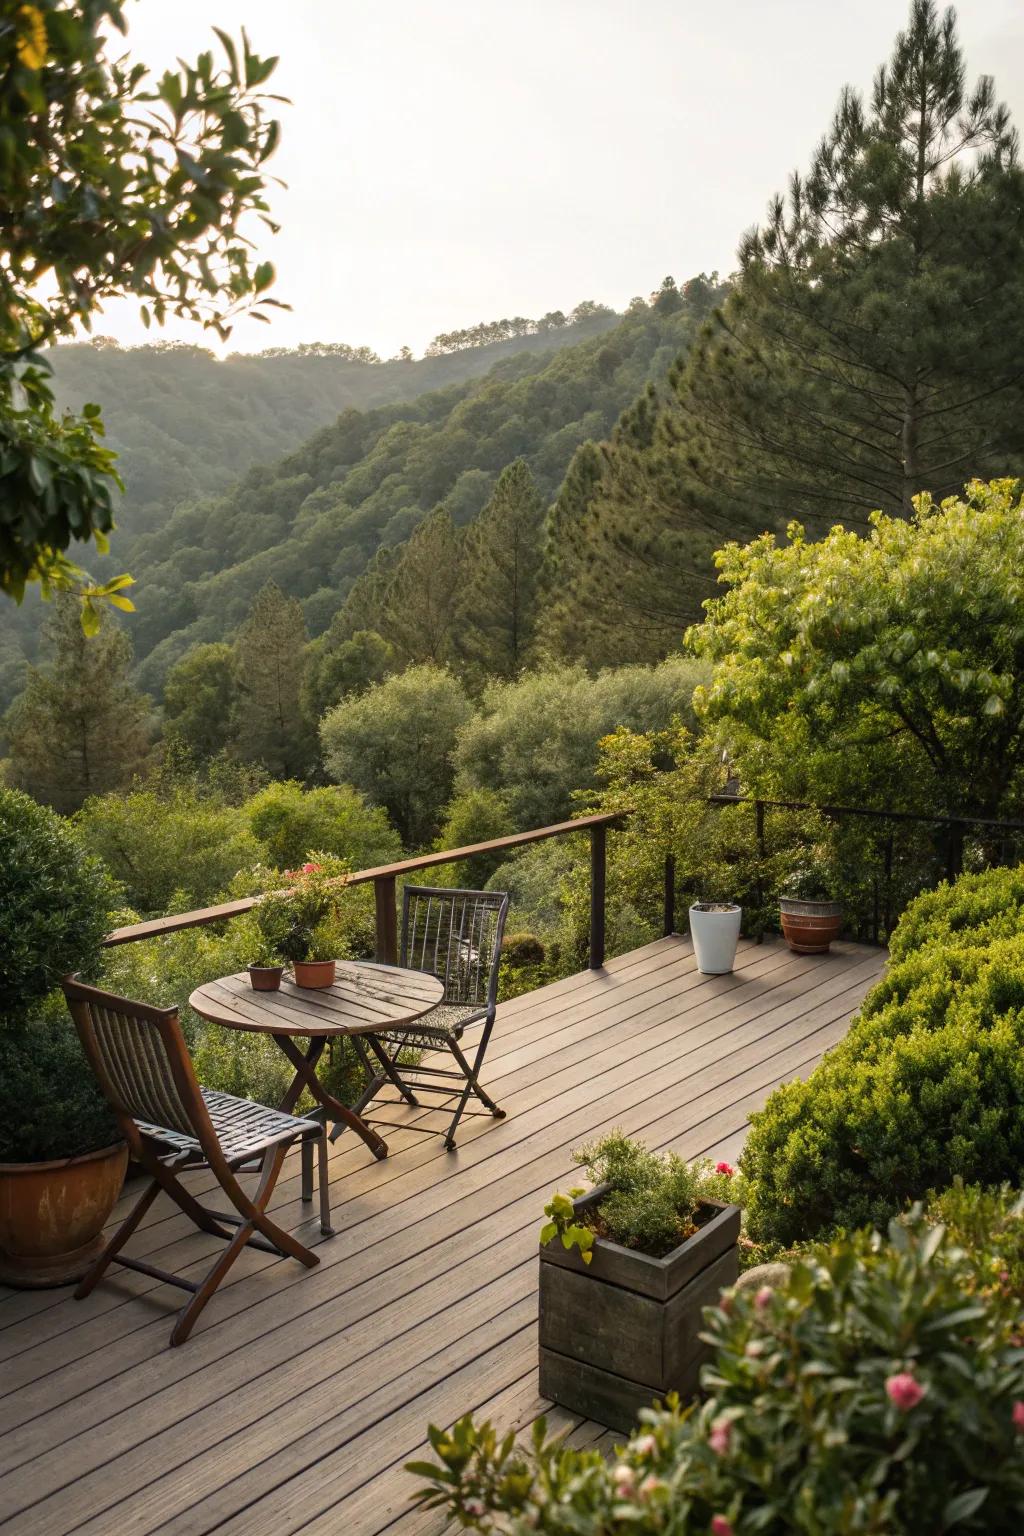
x=52 y=1215
x=810 y=926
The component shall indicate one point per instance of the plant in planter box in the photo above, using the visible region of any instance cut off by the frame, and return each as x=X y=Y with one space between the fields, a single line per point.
x=625 y=1273
x=811 y=917
x=299 y=922
x=61 y=1159
x=877 y=1393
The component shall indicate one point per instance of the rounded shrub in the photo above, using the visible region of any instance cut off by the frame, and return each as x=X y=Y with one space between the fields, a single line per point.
x=927 y=1086
x=56 y=901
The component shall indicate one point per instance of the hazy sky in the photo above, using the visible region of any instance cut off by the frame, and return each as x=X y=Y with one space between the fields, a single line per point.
x=460 y=160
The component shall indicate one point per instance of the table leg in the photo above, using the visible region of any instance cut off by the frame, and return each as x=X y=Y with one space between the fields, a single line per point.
x=305 y=1077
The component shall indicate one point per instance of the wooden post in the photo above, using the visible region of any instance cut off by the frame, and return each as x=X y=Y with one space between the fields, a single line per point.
x=386 y=906
x=669 y=925
x=597 y=893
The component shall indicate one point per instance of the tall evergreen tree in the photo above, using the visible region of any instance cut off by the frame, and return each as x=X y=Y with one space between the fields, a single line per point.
x=198 y=696
x=80 y=728
x=421 y=601
x=870 y=350
x=268 y=723
x=500 y=576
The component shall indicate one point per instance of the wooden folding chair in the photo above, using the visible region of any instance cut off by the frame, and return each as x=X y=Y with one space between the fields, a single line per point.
x=456 y=936
x=170 y=1123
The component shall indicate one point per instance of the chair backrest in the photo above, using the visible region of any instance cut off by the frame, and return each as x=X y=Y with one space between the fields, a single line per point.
x=140 y=1058
x=455 y=936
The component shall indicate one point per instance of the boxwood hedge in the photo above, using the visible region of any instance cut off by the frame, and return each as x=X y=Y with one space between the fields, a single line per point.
x=927 y=1085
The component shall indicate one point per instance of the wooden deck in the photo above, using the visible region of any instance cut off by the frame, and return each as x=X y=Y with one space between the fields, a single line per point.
x=301 y=1394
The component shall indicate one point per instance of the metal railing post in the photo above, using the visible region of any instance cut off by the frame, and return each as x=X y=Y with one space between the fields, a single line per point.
x=598 y=848
x=386 y=912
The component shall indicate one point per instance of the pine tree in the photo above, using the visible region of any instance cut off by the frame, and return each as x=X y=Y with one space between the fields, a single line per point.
x=870 y=350
x=500 y=576
x=80 y=728
x=268 y=723
x=420 y=604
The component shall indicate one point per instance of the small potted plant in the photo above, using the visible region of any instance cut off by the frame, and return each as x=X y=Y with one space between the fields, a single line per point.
x=62 y=1158
x=811 y=917
x=715 y=932
x=297 y=922
x=625 y=1274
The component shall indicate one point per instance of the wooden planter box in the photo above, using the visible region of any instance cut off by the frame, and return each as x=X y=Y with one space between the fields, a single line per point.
x=623 y=1330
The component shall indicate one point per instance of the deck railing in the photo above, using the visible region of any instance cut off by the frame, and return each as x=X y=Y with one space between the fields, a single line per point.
x=385 y=888
x=1002 y=841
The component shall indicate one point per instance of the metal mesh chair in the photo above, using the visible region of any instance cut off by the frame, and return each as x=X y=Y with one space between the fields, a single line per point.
x=170 y=1123
x=456 y=936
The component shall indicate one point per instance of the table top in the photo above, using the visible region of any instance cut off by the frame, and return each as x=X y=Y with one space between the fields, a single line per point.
x=364 y=997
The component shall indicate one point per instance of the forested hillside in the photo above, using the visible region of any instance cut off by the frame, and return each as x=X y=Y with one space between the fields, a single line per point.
x=314 y=521
x=184 y=424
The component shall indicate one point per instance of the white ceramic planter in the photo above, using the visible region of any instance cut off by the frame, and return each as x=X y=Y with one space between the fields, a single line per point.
x=715 y=931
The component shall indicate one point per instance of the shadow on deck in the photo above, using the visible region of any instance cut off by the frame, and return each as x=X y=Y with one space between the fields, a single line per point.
x=302 y=1393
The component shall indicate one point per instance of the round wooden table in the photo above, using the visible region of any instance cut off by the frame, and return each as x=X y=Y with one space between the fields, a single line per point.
x=364 y=997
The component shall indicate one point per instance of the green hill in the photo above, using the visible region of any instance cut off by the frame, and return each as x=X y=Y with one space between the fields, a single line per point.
x=315 y=520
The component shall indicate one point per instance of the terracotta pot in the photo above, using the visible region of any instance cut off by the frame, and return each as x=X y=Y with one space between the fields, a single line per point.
x=265 y=978
x=314 y=973
x=52 y=1215
x=810 y=926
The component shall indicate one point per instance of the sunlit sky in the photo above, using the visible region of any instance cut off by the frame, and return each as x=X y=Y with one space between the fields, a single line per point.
x=459 y=160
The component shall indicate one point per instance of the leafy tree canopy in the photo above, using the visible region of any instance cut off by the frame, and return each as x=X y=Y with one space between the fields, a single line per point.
x=114 y=185
x=887 y=669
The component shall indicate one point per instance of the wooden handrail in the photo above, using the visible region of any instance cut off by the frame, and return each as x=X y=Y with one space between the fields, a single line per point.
x=385 y=876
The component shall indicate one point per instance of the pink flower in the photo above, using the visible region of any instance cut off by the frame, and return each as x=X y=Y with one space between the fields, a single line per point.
x=645 y=1445
x=720 y=1526
x=474 y=1508
x=311 y=869
x=1018 y=1417
x=725 y=1168
x=624 y=1480
x=650 y=1484
x=720 y=1437
x=763 y=1299
x=904 y=1390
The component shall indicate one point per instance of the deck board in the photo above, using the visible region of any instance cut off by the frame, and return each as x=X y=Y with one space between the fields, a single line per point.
x=302 y=1393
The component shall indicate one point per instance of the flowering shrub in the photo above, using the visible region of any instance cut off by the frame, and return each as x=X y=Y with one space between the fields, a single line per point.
x=299 y=922
x=927 y=1085
x=651 y=1204
x=879 y=1393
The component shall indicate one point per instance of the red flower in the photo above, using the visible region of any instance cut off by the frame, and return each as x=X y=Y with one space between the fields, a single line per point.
x=311 y=869
x=725 y=1168
x=1018 y=1417
x=720 y=1526
x=904 y=1390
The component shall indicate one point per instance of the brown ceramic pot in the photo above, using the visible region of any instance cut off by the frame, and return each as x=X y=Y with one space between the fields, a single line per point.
x=314 y=973
x=810 y=926
x=52 y=1215
x=265 y=978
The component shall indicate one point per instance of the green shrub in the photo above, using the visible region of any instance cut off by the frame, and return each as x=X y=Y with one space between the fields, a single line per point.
x=877 y=1394
x=177 y=847
x=56 y=904
x=927 y=1086
x=50 y=1103
x=652 y=1201
x=56 y=901
x=291 y=822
